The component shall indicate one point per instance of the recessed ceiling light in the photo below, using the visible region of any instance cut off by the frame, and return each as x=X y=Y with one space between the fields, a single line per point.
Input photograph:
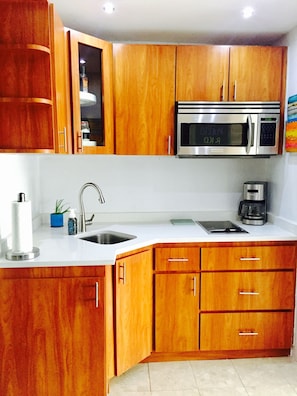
x=108 y=7
x=247 y=12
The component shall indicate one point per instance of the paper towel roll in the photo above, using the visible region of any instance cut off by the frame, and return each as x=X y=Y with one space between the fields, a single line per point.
x=22 y=236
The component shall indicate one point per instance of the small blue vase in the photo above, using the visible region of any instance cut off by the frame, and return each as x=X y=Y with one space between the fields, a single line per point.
x=57 y=220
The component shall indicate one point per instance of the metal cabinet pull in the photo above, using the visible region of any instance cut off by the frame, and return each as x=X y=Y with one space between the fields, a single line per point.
x=177 y=260
x=248 y=293
x=194 y=286
x=79 y=141
x=250 y=259
x=248 y=333
x=223 y=91
x=123 y=277
x=96 y=294
x=235 y=90
x=169 y=145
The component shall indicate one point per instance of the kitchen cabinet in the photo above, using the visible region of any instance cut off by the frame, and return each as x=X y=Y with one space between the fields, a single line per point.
x=144 y=80
x=61 y=87
x=133 y=309
x=248 y=293
x=52 y=332
x=235 y=73
x=176 y=299
x=92 y=94
x=26 y=100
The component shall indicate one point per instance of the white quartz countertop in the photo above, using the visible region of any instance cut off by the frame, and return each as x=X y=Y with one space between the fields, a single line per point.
x=57 y=248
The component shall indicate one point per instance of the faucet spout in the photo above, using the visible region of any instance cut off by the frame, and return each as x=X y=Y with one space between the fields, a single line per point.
x=83 y=221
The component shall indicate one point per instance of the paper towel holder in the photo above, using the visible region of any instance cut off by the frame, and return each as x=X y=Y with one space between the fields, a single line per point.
x=17 y=255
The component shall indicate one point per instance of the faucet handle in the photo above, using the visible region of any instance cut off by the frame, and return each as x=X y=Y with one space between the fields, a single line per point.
x=89 y=221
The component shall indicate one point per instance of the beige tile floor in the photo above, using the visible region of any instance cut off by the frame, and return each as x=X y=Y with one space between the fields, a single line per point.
x=237 y=377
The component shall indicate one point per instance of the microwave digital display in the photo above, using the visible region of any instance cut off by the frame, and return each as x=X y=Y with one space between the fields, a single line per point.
x=214 y=134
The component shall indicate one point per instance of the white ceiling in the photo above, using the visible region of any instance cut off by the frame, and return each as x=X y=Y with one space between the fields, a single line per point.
x=184 y=21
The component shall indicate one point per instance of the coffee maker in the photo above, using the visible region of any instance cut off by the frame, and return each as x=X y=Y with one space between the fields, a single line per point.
x=253 y=208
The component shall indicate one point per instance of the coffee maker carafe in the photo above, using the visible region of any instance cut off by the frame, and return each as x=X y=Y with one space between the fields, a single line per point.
x=252 y=209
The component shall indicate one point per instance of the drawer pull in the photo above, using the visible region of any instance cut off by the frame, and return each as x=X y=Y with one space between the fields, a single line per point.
x=181 y=260
x=250 y=259
x=96 y=294
x=248 y=293
x=248 y=333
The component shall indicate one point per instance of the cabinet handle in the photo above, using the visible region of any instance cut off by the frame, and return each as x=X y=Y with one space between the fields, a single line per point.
x=248 y=333
x=123 y=278
x=250 y=259
x=194 y=286
x=79 y=142
x=223 y=91
x=65 y=140
x=177 y=260
x=96 y=294
x=169 y=145
x=249 y=293
x=235 y=90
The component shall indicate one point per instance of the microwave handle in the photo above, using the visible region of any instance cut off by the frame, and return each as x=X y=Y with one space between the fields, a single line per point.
x=249 y=142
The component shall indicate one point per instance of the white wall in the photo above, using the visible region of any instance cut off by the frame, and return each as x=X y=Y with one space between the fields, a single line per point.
x=283 y=170
x=147 y=184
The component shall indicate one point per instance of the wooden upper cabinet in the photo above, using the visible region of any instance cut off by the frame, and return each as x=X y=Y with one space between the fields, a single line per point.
x=256 y=73
x=144 y=78
x=235 y=73
x=92 y=103
x=61 y=88
x=202 y=72
x=26 y=103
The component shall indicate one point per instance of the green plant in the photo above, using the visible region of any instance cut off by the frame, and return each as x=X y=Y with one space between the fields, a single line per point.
x=60 y=207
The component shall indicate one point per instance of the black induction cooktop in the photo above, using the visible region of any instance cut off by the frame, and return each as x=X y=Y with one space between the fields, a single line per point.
x=223 y=227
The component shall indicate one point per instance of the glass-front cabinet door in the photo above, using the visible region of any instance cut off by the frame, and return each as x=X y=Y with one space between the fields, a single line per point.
x=92 y=102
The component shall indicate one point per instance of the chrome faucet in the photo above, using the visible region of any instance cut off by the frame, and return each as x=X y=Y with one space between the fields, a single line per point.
x=83 y=221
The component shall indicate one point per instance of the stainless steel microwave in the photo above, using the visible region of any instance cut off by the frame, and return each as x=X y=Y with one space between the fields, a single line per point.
x=227 y=128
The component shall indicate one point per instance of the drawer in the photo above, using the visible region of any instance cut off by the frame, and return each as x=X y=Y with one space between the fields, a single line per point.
x=175 y=259
x=246 y=331
x=249 y=258
x=237 y=291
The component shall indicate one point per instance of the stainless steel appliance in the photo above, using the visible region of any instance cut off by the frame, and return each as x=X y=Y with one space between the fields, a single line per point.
x=227 y=128
x=225 y=227
x=253 y=208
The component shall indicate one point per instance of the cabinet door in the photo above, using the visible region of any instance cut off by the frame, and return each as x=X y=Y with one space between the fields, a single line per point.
x=256 y=73
x=52 y=337
x=236 y=291
x=202 y=72
x=133 y=284
x=26 y=106
x=176 y=312
x=246 y=330
x=144 y=78
x=61 y=89
x=92 y=111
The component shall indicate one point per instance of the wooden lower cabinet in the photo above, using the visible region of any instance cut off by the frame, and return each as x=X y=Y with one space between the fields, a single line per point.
x=133 y=309
x=52 y=337
x=246 y=331
x=244 y=304
x=176 y=312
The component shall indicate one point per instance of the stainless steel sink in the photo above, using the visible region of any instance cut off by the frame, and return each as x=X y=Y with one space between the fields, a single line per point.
x=108 y=237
